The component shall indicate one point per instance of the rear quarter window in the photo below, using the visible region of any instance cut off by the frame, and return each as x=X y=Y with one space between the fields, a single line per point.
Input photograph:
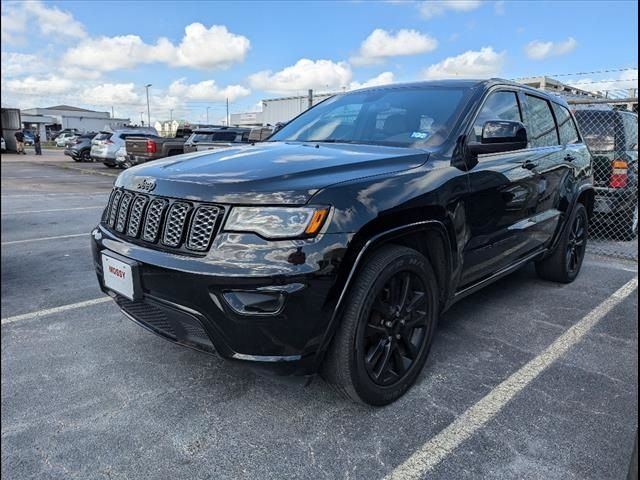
x=566 y=127
x=630 y=125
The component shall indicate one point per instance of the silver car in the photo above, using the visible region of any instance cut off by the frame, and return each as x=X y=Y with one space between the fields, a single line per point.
x=105 y=145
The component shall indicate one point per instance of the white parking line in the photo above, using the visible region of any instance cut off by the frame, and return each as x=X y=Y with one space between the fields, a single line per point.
x=13 y=242
x=50 y=311
x=439 y=447
x=52 y=210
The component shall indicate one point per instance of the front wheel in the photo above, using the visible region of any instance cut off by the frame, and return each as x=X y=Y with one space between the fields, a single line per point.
x=387 y=327
x=564 y=264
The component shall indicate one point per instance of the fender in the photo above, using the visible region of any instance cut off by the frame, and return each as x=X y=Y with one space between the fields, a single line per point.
x=583 y=188
x=368 y=246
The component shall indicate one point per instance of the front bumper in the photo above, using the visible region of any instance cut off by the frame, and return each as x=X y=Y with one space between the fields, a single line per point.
x=186 y=299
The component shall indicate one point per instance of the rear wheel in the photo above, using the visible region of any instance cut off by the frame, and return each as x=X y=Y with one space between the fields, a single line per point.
x=564 y=264
x=86 y=156
x=384 y=338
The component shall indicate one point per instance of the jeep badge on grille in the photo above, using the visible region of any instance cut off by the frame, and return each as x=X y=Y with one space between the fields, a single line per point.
x=146 y=184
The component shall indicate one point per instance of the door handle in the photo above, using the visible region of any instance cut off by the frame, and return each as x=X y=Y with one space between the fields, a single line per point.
x=529 y=165
x=569 y=158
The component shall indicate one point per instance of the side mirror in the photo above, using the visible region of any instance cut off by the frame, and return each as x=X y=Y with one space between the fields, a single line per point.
x=278 y=126
x=499 y=136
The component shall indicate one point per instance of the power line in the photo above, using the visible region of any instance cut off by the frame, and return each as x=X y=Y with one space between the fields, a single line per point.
x=595 y=72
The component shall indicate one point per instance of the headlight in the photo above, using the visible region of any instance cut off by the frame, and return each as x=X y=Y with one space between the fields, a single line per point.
x=277 y=222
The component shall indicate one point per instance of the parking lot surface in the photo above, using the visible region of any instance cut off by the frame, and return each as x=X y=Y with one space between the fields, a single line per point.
x=88 y=394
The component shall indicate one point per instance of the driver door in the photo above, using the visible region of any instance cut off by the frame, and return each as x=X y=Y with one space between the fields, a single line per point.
x=503 y=195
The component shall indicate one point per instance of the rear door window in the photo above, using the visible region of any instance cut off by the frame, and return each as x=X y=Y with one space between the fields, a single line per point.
x=499 y=106
x=541 y=127
x=566 y=127
x=103 y=136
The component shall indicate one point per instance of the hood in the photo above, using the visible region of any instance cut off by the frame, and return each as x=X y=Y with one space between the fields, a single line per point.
x=266 y=173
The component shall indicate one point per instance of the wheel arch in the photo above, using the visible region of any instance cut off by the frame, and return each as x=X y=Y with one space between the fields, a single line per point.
x=426 y=230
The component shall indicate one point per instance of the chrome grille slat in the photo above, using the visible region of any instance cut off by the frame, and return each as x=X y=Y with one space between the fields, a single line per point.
x=114 y=208
x=174 y=226
x=123 y=212
x=135 y=220
x=185 y=226
x=154 y=219
x=202 y=226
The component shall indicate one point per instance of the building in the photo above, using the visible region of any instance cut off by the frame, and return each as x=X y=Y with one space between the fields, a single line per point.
x=278 y=110
x=49 y=120
x=624 y=99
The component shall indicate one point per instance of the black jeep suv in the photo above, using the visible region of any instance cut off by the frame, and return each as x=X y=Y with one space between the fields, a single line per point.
x=334 y=246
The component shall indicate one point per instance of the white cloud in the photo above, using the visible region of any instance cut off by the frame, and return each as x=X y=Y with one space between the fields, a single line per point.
x=483 y=63
x=40 y=86
x=115 y=53
x=433 y=8
x=108 y=94
x=200 y=48
x=15 y=64
x=538 y=50
x=381 y=44
x=385 y=78
x=207 y=90
x=305 y=74
x=215 y=47
x=50 y=20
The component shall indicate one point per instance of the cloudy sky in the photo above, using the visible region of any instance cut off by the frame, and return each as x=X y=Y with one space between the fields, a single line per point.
x=100 y=55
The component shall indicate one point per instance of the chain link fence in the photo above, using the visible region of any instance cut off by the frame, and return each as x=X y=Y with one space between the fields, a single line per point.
x=610 y=129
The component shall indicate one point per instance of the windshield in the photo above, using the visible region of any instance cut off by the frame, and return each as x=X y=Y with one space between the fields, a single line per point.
x=404 y=117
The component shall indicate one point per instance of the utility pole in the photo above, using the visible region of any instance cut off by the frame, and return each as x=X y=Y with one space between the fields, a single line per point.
x=112 y=115
x=148 y=110
x=208 y=115
x=227 y=111
x=171 y=114
x=310 y=99
x=141 y=120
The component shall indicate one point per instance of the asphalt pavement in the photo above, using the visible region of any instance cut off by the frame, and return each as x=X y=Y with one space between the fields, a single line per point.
x=527 y=379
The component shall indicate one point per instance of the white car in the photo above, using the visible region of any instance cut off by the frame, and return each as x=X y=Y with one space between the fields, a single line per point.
x=3 y=145
x=62 y=140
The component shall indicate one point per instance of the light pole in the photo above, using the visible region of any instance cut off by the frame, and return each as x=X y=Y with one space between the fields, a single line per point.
x=148 y=110
x=171 y=114
x=208 y=115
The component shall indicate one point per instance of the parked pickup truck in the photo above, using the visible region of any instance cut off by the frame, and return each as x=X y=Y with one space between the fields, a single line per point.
x=141 y=149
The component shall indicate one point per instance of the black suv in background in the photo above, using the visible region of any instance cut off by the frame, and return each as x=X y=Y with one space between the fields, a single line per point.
x=335 y=245
x=612 y=137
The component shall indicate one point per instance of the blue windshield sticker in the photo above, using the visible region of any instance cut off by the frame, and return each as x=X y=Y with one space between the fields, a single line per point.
x=419 y=135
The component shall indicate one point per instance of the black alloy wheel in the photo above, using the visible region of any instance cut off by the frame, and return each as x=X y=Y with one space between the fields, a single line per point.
x=576 y=245
x=563 y=264
x=394 y=333
x=386 y=328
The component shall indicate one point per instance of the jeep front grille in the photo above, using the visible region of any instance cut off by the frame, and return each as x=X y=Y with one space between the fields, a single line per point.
x=174 y=225
x=164 y=222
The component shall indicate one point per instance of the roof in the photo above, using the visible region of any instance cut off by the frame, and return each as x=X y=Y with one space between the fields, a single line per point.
x=70 y=109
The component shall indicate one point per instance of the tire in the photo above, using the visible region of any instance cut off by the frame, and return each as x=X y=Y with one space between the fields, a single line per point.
x=109 y=165
x=628 y=224
x=375 y=332
x=85 y=156
x=564 y=264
